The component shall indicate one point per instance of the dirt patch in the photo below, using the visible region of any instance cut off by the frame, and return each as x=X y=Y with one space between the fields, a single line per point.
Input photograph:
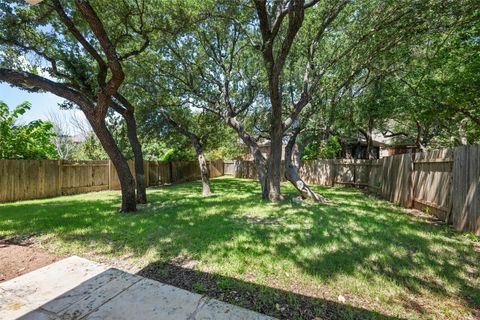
x=16 y=260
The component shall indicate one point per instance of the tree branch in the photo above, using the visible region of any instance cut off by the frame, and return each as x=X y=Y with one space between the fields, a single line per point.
x=28 y=80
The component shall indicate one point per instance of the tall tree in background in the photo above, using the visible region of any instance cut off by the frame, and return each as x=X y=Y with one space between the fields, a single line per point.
x=164 y=107
x=292 y=33
x=180 y=126
x=64 y=135
x=442 y=78
x=361 y=45
x=211 y=67
x=423 y=92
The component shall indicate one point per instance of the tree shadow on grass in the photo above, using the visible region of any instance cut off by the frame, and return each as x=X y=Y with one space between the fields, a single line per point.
x=355 y=237
x=270 y=301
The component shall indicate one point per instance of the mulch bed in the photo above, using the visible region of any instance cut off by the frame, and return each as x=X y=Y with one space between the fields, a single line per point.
x=16 y=260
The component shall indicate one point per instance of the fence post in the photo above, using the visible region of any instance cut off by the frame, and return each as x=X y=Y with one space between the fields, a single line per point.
x=411 y=182
x=355 y=161
x=60 y=177
x=451 y=190
x=334 y=171
x=170 y=171
x=109 y=174
x=147 y=173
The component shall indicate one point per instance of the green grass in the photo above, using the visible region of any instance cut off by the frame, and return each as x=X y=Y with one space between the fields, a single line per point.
x=277 y=258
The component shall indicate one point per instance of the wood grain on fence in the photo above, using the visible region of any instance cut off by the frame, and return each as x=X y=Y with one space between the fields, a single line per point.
x=229 y=167
x=216 y=168
x=158 y=173
x=396 y=177
x=319 y=172
x=36 y=179
x=432 y=182
x=28 y=179
x=185 y=171
x=445 y=183
x=465 y=213
x=83 y=176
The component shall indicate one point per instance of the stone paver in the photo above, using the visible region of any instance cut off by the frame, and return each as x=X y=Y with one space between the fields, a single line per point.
x=23 y=294
x=76 y=288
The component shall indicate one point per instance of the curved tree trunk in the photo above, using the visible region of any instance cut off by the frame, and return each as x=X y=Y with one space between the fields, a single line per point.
x=258 y=158
x=95 y=116
x=126 y=110
x=367 y=133
x=204 y=173
x=138 y=156
x=261 y=167
x=292 y=166
x=197 y=145
x=127 y=183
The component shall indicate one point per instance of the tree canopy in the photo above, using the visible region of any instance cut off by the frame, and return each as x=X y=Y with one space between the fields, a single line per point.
x=204 y=79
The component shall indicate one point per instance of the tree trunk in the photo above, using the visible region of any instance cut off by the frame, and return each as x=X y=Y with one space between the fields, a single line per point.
x=274 y=164
x=127 y=183
x=258 y=158
x=206 y=191
x=261 y=167
x=418 y=141
x=367 y=133
x=138 y=156
x=276 y=142
x=370 y=154
x=292 y=167
x=462 y=132
x=197 y=145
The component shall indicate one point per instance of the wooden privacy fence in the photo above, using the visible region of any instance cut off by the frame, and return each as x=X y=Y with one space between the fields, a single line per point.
x=35 y=179
x=443 y=182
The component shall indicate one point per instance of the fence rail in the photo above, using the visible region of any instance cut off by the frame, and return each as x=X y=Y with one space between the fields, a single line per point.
x=36 y=179
x=444 y=182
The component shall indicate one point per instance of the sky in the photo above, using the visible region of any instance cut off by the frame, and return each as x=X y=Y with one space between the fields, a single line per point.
x=43 y=104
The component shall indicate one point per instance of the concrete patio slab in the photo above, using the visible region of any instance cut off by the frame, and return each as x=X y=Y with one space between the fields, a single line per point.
x=76 y=288
x=23 y=294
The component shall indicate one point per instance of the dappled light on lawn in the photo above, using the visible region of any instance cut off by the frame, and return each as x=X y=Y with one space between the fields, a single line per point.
x=367 y=253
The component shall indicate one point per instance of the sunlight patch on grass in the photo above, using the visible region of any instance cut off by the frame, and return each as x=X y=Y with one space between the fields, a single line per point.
x=365 y=249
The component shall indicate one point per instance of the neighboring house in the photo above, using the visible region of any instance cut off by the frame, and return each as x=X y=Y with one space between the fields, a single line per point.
x=265 y=149
x=392 y=150
x=357 y=149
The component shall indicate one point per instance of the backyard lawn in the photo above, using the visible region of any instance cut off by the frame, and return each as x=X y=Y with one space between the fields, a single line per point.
x=357 y=257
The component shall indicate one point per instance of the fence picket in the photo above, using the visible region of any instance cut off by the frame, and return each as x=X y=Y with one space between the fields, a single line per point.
x=445 y=182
